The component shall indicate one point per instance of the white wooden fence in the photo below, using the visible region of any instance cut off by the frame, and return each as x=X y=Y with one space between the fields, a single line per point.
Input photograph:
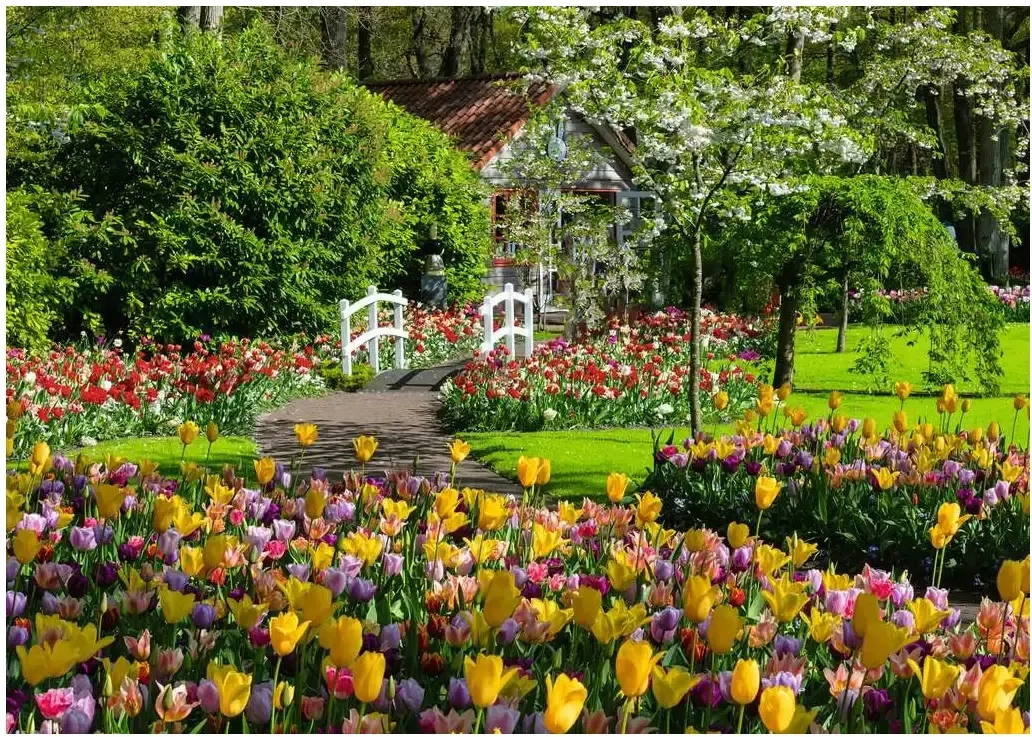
x=373 y=331
x=509 y=330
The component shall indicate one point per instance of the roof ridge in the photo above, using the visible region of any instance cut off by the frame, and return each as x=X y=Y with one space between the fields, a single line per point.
x=436 y=80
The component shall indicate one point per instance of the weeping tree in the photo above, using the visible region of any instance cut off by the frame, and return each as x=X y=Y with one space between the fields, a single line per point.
x=869 y=229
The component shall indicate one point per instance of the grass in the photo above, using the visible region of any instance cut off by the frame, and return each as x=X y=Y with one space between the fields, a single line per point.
x=819 y=368
x=166 y=452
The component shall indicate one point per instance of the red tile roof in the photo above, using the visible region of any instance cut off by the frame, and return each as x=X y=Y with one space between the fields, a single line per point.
x=481 y=113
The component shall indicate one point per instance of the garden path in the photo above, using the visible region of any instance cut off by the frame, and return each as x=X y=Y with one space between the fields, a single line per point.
x=398 y=407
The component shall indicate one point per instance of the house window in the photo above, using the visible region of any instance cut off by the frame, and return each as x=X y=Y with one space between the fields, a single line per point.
x=502 y=203
x=641 y=205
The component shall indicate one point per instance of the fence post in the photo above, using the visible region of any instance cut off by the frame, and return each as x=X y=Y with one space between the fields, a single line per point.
x=399 y=324
x=528 y=323
x=345 y=337
x=487 y=310
x=510 y=319
x=373 y=324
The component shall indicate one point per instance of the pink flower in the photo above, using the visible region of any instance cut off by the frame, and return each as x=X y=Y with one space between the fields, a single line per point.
x=55 y=702
x=537 y=572
x=275 y=549
x=236 y=517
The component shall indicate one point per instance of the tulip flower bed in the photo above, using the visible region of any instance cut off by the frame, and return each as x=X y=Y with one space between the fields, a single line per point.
x=256 y=604
x=861 y=494
x=1014 y=300
x=627 y=375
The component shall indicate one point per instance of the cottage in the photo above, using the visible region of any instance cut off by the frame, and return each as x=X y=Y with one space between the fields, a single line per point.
x=485 y=115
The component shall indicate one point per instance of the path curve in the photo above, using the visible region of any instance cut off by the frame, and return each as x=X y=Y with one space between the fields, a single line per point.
x=399 y=408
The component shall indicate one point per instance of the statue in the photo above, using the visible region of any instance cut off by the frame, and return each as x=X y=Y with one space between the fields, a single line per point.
x=434 y=265
x=434 y=284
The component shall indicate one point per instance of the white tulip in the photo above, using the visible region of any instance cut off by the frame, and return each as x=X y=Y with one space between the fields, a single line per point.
x=550 y=414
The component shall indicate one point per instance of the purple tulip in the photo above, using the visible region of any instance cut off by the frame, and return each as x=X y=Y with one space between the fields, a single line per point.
x=17 y=636
x=362 y=590
x=284 y=529
x=259 y=705
x=785 y=678
x=392 y=563
x=203 y=615
x=208 y=696
x=176 y=580
x=508 y=632
x=501 y=719
x=458 y=694
x=903 y=618
x=335 y=580
x=300 y=571
x=15 y=602
x=13 y=566
x=938 y=597
x=902 y=594
x=82 y=539
x=408 y=698
x=784 y=645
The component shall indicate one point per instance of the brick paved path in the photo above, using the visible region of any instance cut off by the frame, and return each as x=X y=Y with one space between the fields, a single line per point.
x=398 y=407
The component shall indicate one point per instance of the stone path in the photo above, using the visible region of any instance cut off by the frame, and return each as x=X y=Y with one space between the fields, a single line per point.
x=398 y=407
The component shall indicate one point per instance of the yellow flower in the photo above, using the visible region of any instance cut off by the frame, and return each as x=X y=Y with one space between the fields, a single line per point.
x=587 y=603
x=786 y=599
x=26 y=545
x=485 y=679
x=866 y=610
x=544 y=471
x=950 y=519
x=869 y=428
x=246 y=613
x=799 y=550
x=175 y=606
x=545 y=541
x=777 y=708
x=699 y=597
x=459 y=450
x=737 y=534
x=188 y=432
x=670 y=686
x=621 y=575
x=783 y=391
x=720 y=401
x=767 y=490
x=885 y=478
x=648 y=508
x=286 y=631
x=745 y=681
x=724 y=628
x=834 y=401
x=1007 y=721
x=801 y=720
x=215 y=548
x=882 y=640
x=191 y=560
x=316 y=605
x=634 y=662
x=564 y=701
x=996 y=692
x=839 y=422
x=211 y=432
x=367 y=676
x=527 y=471
x=264 y=470
x=343 y=638
x=493 y=512
x=926 y=616
x=616 y=487
x=306 y=434
x=233 y=686
x=364 y=446
x=39 y=459
x=1008 y=580
x=109 y=500
x=1020 y=401
x=935 y=676
x=500 y=598
x=992 y=432
x=769 y=559
x=315 y=502
x=47 y=660
x=695 y=539
x=822 y=624
x=903 y=389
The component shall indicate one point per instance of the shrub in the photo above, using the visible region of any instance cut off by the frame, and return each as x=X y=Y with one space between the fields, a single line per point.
x=31 y=294
x=336 y=380
x=251 y=192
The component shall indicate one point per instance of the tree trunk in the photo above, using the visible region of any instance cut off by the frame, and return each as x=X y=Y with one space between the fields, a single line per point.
x=211 y=18
x=840 y=346
x=794 y=55
x=334 y=26
x=189 y=17
x=784 y=362
x=967 y=170
x=451 y=61
x=418 y=47
x=366 y=69
x=695 y=361
x=940 y=162
x=480 y=40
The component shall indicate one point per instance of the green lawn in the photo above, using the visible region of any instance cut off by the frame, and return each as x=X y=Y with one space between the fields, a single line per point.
x=819 y=368
x=166 y=452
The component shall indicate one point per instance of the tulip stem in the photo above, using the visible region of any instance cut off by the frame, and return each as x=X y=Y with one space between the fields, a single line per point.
x=476 y=727
x=627 y=709
x=275 y=678
x=741 y=716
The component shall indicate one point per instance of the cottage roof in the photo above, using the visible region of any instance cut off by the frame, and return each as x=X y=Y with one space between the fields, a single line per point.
x=482 y=113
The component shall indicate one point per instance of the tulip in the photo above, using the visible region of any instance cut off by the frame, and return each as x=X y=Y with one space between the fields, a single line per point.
x=211 y=432
x=866 y=610
x=950 y=519
x=26 y=545
x=485 y=679
x=587 y=603
x=264 y=470
x=564 y=700
x=996 y=692
x=175 y=606
x=699 y=597
x=634 y=662
x=724 y=627
x=1020 y=402
x=368 y=676
x=365 y=446
x=109 y=500
x=777 y=708
x=544 y=471
x=903 y=389
x=834 y=400
x=783 y=391
x=935 y=676
x=720 y=401
x=500 y=598
x=459 y=450
x=188 y=432
x=306 y=434
x=745 y=682
x=926 y=615
x=882 y=640
x=786 y=599
x=737 y=535
x=616 y=487
x=234 y=688
x=286 y=631
x=670 y=686
x=992 y=432
x=648 y=508
x=527 y=471
x=767 y=489
x=1009 y=580
x=1007 y=721
x=343 y=638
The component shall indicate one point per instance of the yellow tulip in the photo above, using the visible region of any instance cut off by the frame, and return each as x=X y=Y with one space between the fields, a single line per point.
x=367 y=675
x=47 y=660
x=544 y=471
x=926 y=616
x=801 y=720
x=786 y=599
x=777 y=708
x=1007 y=721
x=1020 y=401
x=699 y=597
x=839 y=422
x=527 y=471
x=564 y=702
x=1025 y=571
x=39 y=459
x=745 y=682
x=996 y=692
x=882 y=640
x=869 y=428
x=670 y=686
x=965 y=406
x=459 y=450
x=1009 y=580
x=720 y=401
x=800 y=550
x=486 y=677
x=286 y=630
x=834 y=400
x=264 y=470
x=306 y=434
x=621 y=575
x=634 y=662
x=767 y=489
x=992 y=432
x=885 y=478
x=26 y=545
x=365 y=446
x=866 y=610
x=191 y=560
x=233 y=686
x=695 y=540
x=616 y=487
x=935 y=676
x=783 y=391
x=246 y=613
x=188 y=432
x=175 y=606
x=211 y=432
x=950 y=519
x=724 y=627
x=769 y=559
x=544 y=541
x=822 y=625
x=899 y=421
x=903 y=389
x=648 y=508
x=587 y=603
x=343 y=638
x=500 y=598
x=315 y=502
x=109 y=500
x=737 y=535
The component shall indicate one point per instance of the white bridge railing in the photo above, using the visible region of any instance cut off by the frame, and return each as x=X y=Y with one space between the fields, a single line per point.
x=373 y=331
x=509 y=330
